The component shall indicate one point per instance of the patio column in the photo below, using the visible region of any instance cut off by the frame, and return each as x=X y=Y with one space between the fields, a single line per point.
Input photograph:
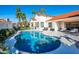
x=64 y=25
x=30 y=25
x=52 y=25
x=39 y=25
x=55 y=25
x=45 y=24
x=34 y=25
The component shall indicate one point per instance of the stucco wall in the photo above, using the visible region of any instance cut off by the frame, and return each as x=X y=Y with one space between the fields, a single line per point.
x=5 y=25
x=42 y=18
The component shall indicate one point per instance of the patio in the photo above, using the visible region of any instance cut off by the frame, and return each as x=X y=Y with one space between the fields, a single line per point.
x=62 y=35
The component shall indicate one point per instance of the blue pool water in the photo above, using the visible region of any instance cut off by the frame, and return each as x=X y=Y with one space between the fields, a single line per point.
x=36 y=42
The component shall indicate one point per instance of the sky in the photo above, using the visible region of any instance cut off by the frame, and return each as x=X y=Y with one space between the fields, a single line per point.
x=9 y=11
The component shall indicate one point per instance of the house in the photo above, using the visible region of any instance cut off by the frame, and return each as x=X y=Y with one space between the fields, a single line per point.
x=63 y=21
x=5 y=24
x=39 y=21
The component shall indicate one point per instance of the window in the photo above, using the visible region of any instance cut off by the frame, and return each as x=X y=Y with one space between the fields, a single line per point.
x=42 y=24
x=50 y=24
x=37 y=24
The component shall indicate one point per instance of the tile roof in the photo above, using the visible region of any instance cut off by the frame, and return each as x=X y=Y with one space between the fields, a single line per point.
x=14 y=23
x=62 y=16
x=34 y=19
x=1 y=20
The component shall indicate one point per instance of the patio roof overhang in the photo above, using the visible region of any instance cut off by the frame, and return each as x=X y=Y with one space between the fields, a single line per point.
x=64 y=17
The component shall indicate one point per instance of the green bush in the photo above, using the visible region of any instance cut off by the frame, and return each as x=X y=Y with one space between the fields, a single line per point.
x=5 y=33
x=27 y=28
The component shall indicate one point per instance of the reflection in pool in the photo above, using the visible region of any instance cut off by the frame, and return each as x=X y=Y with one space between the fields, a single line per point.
x=36 y=42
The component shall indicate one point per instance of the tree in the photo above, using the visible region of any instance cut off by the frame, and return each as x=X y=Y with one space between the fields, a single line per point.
x=18 y=14
x=33 y=11
x=8 y=20
x=42 y=10
x=23 y=16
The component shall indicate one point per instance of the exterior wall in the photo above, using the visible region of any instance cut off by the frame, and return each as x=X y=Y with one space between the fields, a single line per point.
x=62 y=25
x=39 y=19
x=39 y=25
x=45 y=24
x=5 y=25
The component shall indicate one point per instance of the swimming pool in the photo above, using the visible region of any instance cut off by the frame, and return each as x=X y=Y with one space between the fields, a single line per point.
x=36 y=42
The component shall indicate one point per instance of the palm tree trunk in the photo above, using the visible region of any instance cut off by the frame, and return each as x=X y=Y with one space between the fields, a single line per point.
x=19 y=23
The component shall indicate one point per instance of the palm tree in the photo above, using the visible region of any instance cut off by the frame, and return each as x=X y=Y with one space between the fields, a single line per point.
x=33 y=11
x=23 y=16
x=18 y=14
x=42 y=10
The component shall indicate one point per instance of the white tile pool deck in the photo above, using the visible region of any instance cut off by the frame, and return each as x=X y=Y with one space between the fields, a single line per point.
x=63 y=40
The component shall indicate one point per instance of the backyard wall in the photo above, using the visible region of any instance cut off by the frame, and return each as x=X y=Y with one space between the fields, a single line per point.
x=5 y=25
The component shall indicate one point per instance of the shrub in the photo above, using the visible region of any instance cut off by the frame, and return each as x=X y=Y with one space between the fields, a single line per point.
x=5 y=33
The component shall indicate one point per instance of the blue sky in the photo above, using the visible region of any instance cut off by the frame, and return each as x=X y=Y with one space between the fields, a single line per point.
x=9 y=11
